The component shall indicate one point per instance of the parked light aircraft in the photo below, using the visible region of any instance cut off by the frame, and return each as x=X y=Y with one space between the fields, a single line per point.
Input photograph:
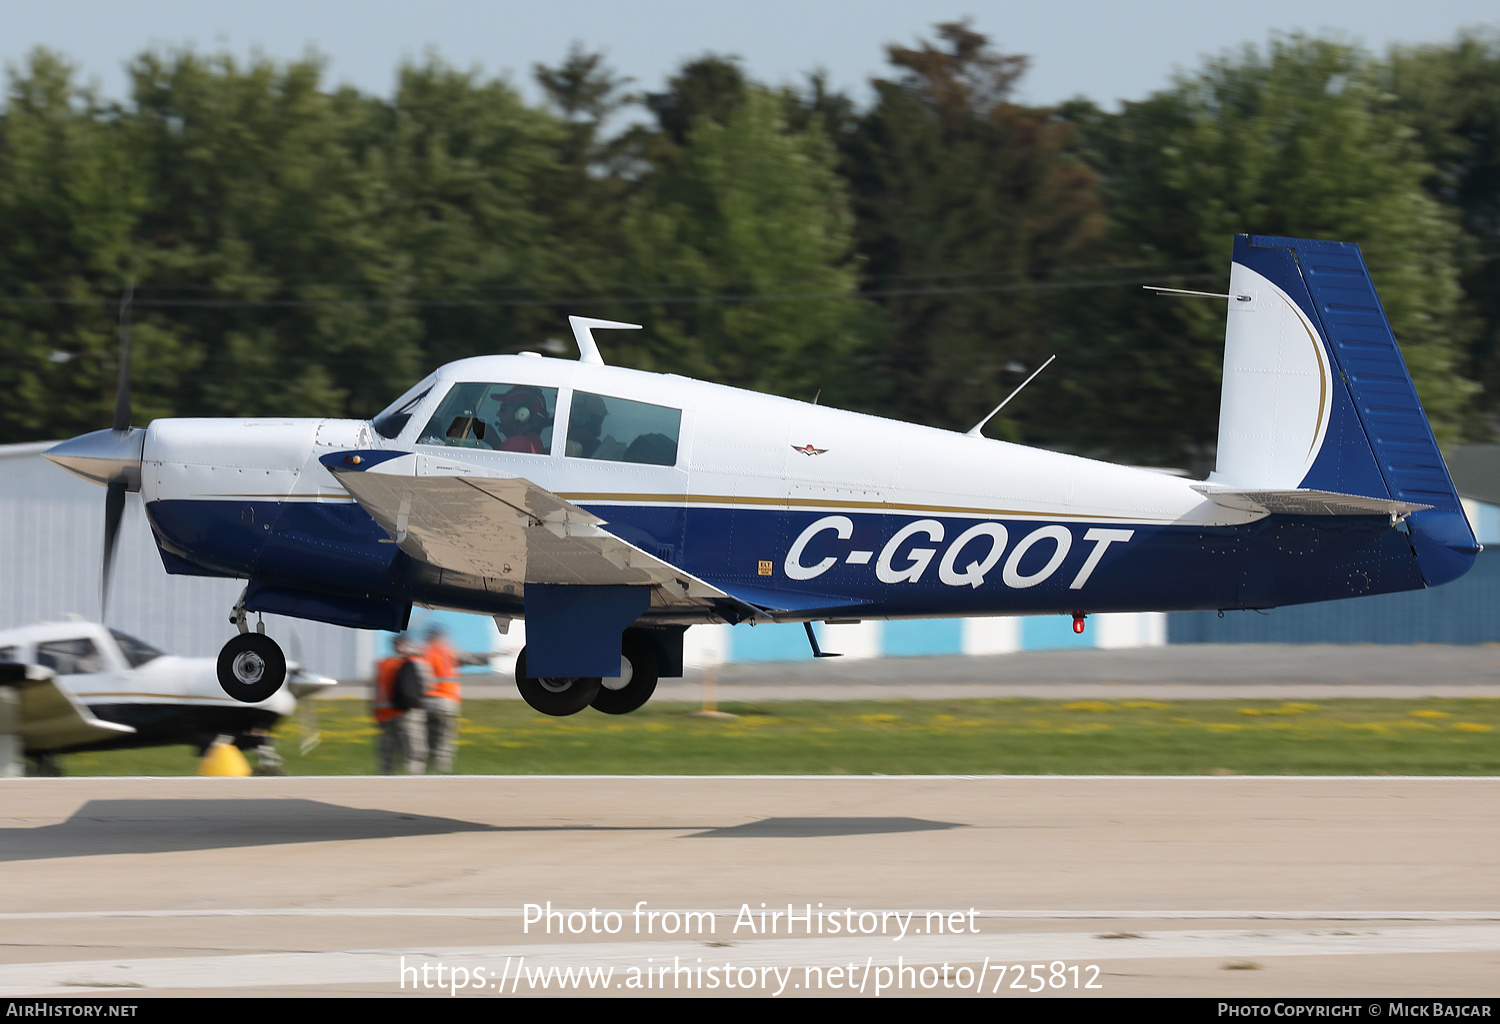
x=86 y=687
x=612 y=508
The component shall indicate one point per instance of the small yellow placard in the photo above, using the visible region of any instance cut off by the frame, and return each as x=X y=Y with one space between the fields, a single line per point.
x=765 y=568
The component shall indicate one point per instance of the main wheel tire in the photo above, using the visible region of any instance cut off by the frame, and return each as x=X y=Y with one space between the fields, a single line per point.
x=636 y=682
x=560 y=696
x=251 y=668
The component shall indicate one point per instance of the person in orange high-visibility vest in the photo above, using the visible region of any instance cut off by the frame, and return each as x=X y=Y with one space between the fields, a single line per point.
x=442 y=701
x=400 y=686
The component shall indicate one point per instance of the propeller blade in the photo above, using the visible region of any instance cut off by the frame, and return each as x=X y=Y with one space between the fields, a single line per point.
x=119 y=483
x=114 y=511
x=122 y=389
x=294 y=648
x=307 y=725
x=307 y=711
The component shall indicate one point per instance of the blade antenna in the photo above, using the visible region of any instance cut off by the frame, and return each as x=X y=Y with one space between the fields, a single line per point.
x=975 y=432
x=583 y=333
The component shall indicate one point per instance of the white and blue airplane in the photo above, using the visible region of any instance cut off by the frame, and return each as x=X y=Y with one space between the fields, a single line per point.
x=612 y=508
x=84 y=687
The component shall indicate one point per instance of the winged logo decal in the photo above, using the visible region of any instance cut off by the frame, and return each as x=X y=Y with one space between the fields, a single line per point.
x=808 y=449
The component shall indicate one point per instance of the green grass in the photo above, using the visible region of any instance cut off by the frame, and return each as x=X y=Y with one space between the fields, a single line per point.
x=1338 y=737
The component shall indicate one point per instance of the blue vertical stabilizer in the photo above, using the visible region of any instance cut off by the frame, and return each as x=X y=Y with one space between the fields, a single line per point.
x=1331 y=284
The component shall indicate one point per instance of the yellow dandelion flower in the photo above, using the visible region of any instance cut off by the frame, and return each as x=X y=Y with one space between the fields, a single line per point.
x=1087 y=705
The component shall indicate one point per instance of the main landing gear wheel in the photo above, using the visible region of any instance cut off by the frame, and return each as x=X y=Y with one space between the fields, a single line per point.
x=636 y=682
x=559 y=696
x=251 y=668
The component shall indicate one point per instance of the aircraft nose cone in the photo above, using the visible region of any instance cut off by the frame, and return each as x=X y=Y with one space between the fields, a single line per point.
x=103 y=456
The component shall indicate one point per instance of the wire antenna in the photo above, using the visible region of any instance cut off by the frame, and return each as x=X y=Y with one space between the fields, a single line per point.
x=1186 y=293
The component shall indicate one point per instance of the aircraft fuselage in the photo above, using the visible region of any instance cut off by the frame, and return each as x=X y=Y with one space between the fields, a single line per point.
x=841 y=514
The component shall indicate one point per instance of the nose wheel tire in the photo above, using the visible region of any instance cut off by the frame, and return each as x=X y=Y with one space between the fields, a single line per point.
x=557 y=696
x=251 y=668
x=636 y=682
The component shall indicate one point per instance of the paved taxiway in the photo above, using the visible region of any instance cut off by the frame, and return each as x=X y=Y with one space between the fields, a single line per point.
x=1216 y=886
x=1174 y=672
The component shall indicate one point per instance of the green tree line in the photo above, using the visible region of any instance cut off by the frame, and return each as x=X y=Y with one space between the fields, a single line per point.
x=289 y=248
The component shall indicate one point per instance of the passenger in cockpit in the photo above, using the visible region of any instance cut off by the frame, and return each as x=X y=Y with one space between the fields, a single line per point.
x=585 y=424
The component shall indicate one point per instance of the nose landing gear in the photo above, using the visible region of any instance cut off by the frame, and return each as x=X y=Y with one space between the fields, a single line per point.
x=252 y=666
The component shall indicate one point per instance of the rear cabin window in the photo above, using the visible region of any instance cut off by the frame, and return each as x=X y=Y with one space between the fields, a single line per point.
x=495 y=417
x=619 y=430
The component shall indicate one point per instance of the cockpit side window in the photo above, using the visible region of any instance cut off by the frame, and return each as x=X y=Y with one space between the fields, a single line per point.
x=389 y=423
x=496 y=417
x=619 y=430
x=70 y=657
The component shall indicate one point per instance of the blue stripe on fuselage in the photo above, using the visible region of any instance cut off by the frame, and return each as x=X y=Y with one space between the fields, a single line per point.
x=333 y=542
x=1275 y=560
x=1278 y=560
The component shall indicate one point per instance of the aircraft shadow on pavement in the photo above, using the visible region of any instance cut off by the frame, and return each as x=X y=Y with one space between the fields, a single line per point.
x=812 y=828
x=161 y=826
x=104 y=827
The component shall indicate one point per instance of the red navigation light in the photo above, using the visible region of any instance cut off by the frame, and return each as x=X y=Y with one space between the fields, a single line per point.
x=1078 y=622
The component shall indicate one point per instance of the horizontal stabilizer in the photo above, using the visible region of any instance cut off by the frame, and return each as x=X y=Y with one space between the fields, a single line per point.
x=1305 y=501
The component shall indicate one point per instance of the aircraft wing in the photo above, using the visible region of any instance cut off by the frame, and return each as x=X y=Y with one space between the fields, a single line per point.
x=457 y=516
x=51 y=717
x=1304 y=501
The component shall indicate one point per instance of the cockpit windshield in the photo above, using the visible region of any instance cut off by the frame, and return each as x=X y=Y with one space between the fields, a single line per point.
x=137 y=652
x=393 y=419
x=498 y=417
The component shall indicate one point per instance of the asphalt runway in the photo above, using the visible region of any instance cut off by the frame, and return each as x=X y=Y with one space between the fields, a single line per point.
x=910 y=886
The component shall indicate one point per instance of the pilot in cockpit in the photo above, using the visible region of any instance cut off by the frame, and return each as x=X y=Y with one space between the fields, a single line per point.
x=521 y=419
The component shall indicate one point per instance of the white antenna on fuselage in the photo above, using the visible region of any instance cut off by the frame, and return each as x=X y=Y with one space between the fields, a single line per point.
x=1175 y=293
x=975 y=432
x=583 y=332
